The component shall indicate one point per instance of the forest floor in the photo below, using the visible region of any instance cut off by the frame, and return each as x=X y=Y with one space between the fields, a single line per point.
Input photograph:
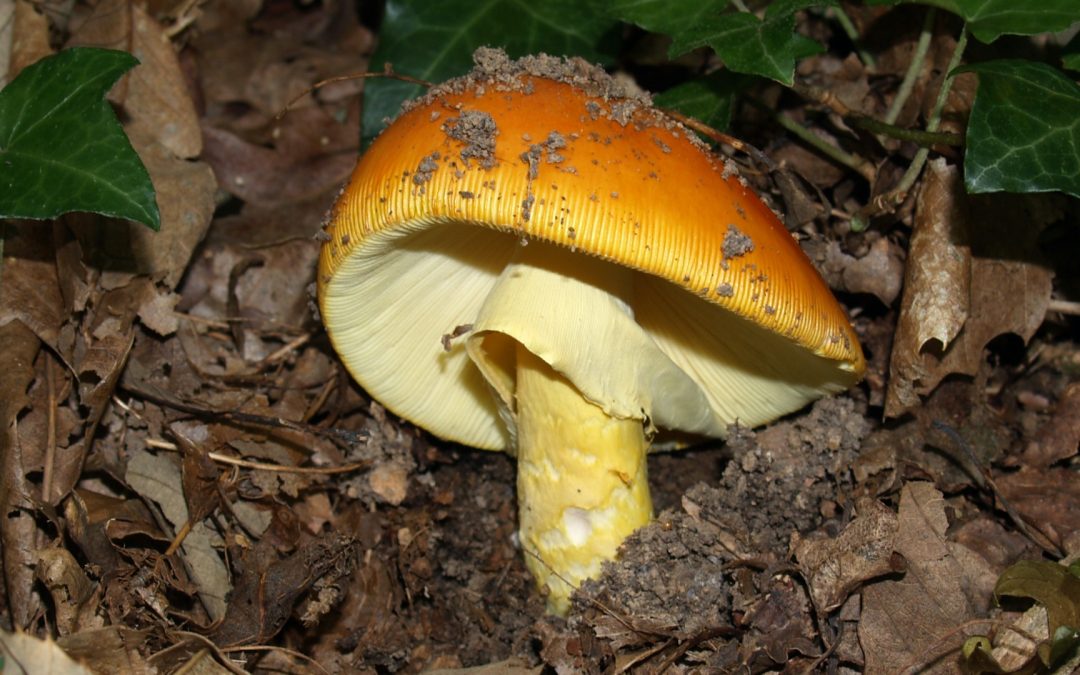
x=191 y=477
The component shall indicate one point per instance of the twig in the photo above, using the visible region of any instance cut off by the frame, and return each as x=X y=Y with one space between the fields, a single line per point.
x=260 y=466
x=849 y=29
x=827 y=98
x=890 y=200
x=272 y=648
x=243 y=418
x=388 y=72
x=1064 y=307
x=923 y=138
x=922 y=47
x=720 y=137
x=286 y=349
x=853 y=162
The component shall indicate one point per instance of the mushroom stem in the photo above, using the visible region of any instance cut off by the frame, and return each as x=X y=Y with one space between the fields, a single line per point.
x=582 y=480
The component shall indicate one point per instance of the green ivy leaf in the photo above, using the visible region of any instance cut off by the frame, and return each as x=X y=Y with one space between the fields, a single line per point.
x=434 y=41
x=708 y=99
x=990 y=19
x=767 y=46
x=61 y=147
x=676 y=18
x=1024 y=131
x=1055 y=588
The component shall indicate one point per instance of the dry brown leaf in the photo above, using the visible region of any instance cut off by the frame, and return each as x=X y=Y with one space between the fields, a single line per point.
x=910 y=622
x=1060 y=437
x=937 y=288
x=29 y=38
x=880 y=272
x=17 y=527
x=154 y=95
x=159 y=313
x=49 y=421
x=185 y=196
x=7 y=25
x=29 y=289
x=25 y=654
x=104 y=339
x=75 y=598
x=86 y=513
x=781 y=624
x=260 y=175
x=265 y=63
x=835 y=567
x=944 y=328
x=267 y=588
x=1047 y=498
x=159 y=480
x=113 y=649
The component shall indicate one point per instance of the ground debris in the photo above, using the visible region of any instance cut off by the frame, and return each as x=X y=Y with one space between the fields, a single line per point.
x=188 y=471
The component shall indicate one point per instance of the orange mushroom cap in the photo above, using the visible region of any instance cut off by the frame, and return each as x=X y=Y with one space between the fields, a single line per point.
x=546 y=150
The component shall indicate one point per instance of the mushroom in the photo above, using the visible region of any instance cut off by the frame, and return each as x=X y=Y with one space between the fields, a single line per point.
x=530 y=259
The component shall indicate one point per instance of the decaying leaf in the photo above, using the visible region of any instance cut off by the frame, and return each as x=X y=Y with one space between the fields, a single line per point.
x=937 y=288
x=154 y=95
x=268 y=587
x=24 y=654
x=112 y=649
x=29 y=39
x=1058 y=439
x=29 y=288
x=75 y=597
x=17 y=527
x=835 y=567
x=914 y=621
x=1049 y=499
x=974 y=272
x=159 y=480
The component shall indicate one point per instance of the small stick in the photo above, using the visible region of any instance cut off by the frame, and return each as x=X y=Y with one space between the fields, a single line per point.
x=388 y=72
x=720 y=137
x=261 y=466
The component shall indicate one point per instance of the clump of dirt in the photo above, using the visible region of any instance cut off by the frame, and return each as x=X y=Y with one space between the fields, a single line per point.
x=793 y=475
x=625 y=104
x=781 y=480
x=667 y=574
x=477 y=131
x=495 y=68
x=678 y=577
x=736 y=243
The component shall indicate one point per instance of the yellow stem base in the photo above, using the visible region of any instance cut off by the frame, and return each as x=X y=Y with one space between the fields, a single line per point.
x=582 y=480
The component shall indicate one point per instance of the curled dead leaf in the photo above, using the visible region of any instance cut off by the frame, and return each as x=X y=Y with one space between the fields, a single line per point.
x=980 y=275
